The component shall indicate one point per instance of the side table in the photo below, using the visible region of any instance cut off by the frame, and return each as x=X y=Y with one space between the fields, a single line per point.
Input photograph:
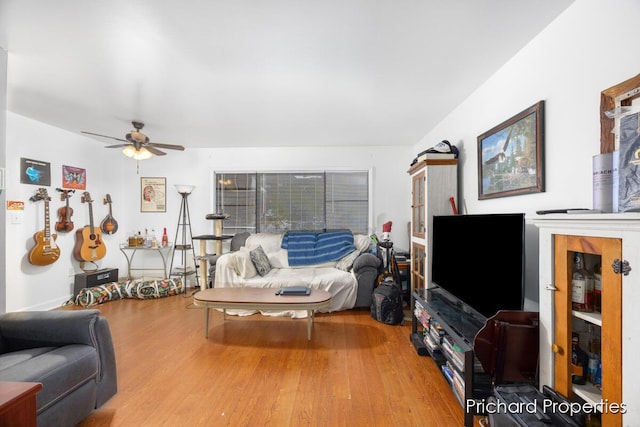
x=18 y=404
x=163 y=251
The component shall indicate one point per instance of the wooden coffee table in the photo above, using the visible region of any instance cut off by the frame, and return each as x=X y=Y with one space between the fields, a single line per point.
x=260 y=299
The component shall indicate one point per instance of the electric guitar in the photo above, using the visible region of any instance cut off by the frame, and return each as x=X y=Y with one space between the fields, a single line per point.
x=64 y=223
x=45 y=251
x=89 y=244
x=109 y=225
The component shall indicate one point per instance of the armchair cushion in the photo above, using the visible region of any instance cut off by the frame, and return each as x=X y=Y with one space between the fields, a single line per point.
x=61 y=369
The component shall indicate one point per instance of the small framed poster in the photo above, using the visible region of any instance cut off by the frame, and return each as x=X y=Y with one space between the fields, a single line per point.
x=73 y=177
x=35 y=172
x=153 y=194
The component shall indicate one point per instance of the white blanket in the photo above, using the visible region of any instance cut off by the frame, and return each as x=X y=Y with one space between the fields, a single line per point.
x=342 y=285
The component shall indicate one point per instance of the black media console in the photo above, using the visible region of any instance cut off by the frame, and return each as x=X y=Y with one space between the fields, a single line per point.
x=444 y=328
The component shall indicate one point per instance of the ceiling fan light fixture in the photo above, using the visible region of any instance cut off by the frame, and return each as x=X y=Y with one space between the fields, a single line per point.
x=141 y=154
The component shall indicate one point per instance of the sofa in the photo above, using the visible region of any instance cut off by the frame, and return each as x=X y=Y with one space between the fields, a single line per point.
x=350 y=279
x=70 y=353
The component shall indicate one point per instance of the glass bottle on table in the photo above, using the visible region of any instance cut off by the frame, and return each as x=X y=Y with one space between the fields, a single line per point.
x=165 y=238
x=582 y=286
x=154 y=239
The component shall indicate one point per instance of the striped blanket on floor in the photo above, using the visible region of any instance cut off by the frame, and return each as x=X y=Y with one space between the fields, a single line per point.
x=311 y=247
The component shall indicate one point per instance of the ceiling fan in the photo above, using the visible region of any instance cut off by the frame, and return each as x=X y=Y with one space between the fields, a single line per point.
x=137 y=145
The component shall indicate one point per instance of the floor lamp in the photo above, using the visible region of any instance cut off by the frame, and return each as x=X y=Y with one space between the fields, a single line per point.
x=184 y=225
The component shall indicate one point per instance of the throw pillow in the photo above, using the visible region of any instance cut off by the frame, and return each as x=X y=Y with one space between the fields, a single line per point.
x=243 y=264
x=346 y=262
x=260 y=261
x=362 y=242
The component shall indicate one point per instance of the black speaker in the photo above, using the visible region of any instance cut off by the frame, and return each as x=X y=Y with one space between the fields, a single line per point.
x=420 y=347
x=95 y=278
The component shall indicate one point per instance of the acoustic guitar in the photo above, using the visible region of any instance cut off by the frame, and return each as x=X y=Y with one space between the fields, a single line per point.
x=64 y=214
x=89 y=245
x=109 y=225
x=45 y=251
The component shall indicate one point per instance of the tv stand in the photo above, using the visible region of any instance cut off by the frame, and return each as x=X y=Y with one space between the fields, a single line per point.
x=444 y=327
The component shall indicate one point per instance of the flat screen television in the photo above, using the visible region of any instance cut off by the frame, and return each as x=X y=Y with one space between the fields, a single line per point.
x=480 y=259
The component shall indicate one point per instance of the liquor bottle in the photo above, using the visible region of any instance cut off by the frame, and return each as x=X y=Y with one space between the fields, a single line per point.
x=147 y=239
x=580 y=359
x=597 y=379
x=597 y=288
x=582 y=289
x=165 y=238
x=154 y=238
x=592 y=420
x=594 y=351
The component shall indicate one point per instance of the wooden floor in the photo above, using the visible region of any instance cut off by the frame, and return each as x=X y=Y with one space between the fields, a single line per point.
x=262 y=371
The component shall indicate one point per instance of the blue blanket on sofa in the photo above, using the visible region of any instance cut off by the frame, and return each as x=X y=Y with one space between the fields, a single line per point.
x=310 y=247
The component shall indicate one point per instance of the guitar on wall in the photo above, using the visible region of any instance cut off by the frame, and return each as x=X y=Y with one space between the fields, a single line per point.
x=45 y=251
x=89 y=245
x=109 y=225
x=64 y=214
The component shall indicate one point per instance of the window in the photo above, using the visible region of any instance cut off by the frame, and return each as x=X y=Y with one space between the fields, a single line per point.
x=281 y=201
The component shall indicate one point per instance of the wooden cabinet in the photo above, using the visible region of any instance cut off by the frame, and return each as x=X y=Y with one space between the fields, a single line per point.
x=433 y=183
x=417 y=204
x=613 y=241
x=417 y=265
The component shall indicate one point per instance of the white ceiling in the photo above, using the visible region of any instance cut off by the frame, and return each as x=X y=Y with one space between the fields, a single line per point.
x=259 y=73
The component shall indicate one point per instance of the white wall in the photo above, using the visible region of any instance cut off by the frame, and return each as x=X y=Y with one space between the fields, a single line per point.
x=3 y=121
x=33 y=287
x=587 y=49
x=108 y=171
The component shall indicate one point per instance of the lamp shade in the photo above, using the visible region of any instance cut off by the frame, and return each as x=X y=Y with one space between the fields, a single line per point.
x=184 y=188
x=141 y=154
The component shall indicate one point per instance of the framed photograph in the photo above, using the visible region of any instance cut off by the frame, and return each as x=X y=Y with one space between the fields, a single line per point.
x=153 y=194
x=511 y=156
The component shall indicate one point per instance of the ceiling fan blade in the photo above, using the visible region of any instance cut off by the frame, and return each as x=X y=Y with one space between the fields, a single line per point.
x=167 y=146
x=104 y=136
x=155 y=151
x=116 y=146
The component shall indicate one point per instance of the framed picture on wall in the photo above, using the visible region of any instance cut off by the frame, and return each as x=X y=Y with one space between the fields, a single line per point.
x=75 y=178
x=511 y=156
x=35 y=172
x=153 y=194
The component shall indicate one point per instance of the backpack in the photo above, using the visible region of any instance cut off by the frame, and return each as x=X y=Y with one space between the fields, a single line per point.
x=386 y=302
